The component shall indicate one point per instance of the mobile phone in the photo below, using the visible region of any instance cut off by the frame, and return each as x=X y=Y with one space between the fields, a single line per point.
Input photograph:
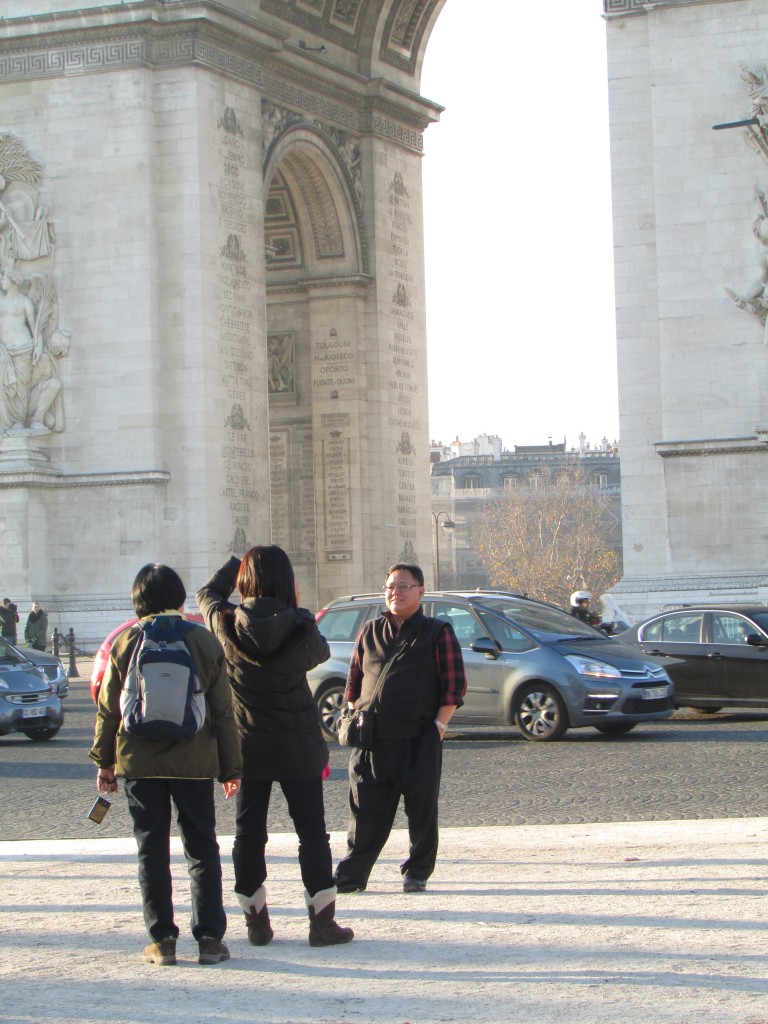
x=100 y=807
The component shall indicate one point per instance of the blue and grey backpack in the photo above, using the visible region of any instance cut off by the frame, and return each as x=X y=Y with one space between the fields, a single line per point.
x=161 y=698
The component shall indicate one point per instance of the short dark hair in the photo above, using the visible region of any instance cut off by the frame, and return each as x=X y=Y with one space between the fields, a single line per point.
x=414 y=570
x=157 y=588
x=266 y=571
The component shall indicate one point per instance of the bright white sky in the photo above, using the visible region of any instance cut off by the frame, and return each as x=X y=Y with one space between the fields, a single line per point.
x=517 y=210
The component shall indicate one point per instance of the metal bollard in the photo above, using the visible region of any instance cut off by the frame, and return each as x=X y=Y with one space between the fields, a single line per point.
x=55 y=642
x=72 y=670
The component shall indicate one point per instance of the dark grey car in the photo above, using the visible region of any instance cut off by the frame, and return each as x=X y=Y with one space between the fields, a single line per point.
x=527 y=663
x=28 y=700
x=51 y=665
x=716 y=656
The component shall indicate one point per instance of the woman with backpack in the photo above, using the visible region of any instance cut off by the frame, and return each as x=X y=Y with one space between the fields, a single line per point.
x=270 y=643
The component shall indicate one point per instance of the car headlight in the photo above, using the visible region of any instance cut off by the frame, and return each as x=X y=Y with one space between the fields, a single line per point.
x=592 y=668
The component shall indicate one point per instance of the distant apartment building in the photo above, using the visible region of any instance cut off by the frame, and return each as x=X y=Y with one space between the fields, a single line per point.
x=465 y=476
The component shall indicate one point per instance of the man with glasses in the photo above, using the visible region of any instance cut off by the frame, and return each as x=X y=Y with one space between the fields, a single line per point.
x=419 y=659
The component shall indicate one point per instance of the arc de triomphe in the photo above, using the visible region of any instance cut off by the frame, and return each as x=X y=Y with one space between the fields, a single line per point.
x=212 y=300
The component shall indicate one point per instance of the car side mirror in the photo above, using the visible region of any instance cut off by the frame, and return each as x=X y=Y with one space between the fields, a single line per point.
x=756 y=640
x=485 y=646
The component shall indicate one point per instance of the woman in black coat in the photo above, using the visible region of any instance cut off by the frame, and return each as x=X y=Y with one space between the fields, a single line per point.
x=270 y=644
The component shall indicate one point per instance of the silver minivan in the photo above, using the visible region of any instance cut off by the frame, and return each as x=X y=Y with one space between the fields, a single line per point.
x=528 y=663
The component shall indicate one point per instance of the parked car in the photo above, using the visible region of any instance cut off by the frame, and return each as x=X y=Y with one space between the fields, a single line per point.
x=720 y=653
x=527 y=663
x=28 y=700
x=52 y=666
x=101 y=658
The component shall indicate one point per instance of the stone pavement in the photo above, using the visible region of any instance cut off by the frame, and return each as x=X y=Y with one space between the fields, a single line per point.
x=634 y=922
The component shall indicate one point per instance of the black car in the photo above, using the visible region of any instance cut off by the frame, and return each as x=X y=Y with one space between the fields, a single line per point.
x=527 y=663
x=718 y=656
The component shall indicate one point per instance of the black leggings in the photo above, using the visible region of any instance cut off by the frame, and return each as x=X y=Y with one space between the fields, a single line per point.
x=305 y=805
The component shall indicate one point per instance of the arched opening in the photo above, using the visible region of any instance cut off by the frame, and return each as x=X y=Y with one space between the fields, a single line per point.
x=316 y=263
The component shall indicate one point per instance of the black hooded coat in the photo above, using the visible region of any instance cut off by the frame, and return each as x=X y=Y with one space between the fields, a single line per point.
x=269 y=649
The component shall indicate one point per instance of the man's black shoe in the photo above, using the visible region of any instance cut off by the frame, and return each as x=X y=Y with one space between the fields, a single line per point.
x=345 y=886
x=414 y=884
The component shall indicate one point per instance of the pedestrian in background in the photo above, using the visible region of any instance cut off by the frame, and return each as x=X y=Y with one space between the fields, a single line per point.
x=9 y=617
x=270 y=643
x=159 y=773
x=36 y=629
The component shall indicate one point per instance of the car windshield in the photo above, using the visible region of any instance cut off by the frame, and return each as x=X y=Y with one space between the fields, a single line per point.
x=761 y=618
x=9 y=655
x=541 y=621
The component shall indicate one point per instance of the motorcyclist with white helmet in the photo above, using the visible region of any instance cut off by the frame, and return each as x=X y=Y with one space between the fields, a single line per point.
x=580 y=607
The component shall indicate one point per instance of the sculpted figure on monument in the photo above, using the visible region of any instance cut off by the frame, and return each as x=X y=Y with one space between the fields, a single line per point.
x=25 y=232
x=755 y=299
x=757 y=87
x=29 y=396
x=19 y=350
x=280 y=362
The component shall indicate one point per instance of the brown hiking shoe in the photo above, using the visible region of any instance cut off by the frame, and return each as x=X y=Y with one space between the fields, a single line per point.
x=162 y=952
x=212 y=951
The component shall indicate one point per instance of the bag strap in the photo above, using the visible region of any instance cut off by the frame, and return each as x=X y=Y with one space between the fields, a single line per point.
x=385 y=671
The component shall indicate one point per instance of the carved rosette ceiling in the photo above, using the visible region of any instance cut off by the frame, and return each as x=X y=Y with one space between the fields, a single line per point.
x=31 y=340
x=323 y=215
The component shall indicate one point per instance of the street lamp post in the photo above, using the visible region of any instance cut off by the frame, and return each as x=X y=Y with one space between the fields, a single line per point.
x=448 y=524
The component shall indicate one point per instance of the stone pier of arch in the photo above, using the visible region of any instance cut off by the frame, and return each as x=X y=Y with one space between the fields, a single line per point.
x=232 y=193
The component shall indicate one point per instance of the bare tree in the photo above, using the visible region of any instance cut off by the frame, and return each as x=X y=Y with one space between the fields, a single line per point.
x=550 y=536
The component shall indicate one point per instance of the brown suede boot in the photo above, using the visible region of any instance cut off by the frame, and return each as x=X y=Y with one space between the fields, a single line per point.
x=256 y=917
x=323 y=930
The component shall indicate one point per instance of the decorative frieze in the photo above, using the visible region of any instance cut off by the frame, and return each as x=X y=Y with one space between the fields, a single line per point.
x=625 y=6
x=621 y=8
x=115 y=47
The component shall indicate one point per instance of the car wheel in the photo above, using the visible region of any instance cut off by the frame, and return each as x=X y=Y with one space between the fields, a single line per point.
x=41 y=734
x=539 y=713
x=708 y=711
x=330 y=701
x=616 y=728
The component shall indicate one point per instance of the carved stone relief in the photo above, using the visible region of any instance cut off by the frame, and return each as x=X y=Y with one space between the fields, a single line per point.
x=756 y=80
x=755 y=299
x=280 y=364
x=31 y=341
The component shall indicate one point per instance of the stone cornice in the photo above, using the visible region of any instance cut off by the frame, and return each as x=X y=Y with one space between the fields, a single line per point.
x=713 y=446
x=41 y=478
x=343 y=283
x=673 y=584
x=623 y=8
x=151 y=33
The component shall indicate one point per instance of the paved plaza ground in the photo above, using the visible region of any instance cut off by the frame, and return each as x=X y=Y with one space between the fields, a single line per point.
x=635 y=922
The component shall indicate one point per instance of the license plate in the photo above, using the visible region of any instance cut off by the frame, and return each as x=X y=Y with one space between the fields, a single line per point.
x=33 y=712
x=654 y=692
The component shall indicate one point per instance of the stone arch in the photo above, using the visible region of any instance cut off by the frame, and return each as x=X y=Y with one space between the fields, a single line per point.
x=322 y=182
